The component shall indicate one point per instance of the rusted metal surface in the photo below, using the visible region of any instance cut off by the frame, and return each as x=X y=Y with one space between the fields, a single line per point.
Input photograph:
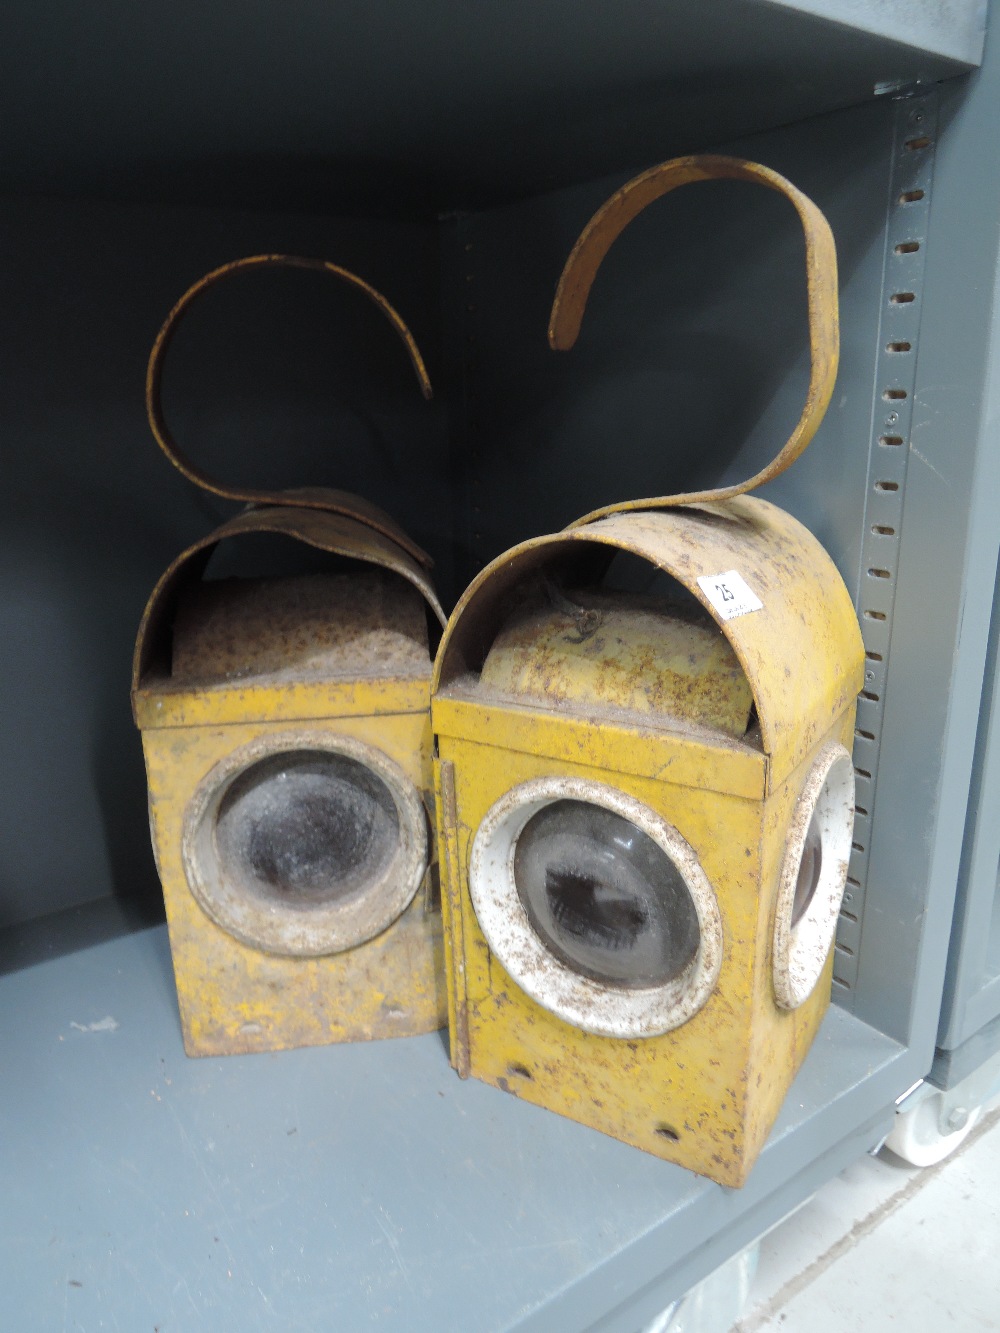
x=610 y=739
x=335 y=533
x=821 y=282
x=802 y=653
x=305 y=627
x=635 y=654
x=307 y=497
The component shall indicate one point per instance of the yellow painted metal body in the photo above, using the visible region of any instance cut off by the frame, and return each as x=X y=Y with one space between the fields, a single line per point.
x=706 y=1093
x=624 y=652
x=234 y=997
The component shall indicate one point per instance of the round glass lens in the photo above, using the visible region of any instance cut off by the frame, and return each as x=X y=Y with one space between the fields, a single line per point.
x=306 y=828
x=810 y=868
x=604 y=897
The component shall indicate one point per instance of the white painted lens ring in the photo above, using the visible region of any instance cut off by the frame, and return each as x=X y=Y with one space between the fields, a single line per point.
x=594 y=1006
x=801 y=950
x=325 y=928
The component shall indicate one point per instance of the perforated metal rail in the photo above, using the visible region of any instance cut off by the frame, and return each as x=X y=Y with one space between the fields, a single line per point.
x=890 y=448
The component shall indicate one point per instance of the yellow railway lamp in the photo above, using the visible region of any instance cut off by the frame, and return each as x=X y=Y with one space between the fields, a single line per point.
x=645 y=800
x=286 y=728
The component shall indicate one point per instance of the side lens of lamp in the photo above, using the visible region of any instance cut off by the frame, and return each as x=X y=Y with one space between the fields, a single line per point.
x=810 y=870
x=813 y=876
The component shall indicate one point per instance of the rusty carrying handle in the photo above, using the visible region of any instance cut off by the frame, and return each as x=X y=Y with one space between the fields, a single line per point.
x=306 y=497
x=821 y=283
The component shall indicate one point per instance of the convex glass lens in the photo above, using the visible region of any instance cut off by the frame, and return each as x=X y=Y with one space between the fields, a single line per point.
x=306 y=829
x=810 y=868
x=604 y=897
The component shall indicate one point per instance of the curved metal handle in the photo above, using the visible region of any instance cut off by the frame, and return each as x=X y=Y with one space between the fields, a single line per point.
x=335 y=533
x=821 y=281
x=312 y=497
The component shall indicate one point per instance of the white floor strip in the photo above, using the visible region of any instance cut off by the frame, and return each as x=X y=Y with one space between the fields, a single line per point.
x=887 y=1245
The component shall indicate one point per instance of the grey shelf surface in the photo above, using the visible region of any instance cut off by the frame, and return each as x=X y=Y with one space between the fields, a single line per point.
x=434 y=107
x=345 y=1186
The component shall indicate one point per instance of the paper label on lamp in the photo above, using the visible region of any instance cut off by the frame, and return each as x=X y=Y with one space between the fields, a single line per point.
x=730 y=594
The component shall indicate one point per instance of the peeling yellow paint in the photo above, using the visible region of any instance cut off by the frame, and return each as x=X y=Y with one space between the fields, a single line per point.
x=235 y=997
x=705 y=1094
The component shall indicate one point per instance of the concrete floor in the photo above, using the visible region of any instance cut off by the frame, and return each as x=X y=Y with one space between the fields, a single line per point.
x=886 y=1246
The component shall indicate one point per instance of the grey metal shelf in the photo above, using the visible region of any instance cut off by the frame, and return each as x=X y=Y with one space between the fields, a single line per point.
x=353 y=1185
x=432 y=109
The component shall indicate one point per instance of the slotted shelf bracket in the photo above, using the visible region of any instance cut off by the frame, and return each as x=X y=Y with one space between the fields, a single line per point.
x=890 y=446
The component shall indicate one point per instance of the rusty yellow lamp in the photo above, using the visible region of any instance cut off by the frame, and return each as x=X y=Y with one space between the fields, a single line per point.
x=645 y=797
x=286 y=729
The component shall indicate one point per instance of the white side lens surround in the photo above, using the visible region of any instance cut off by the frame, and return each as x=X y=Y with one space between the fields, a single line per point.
x=557 y=977
x=813 y=876
x=305 y=843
